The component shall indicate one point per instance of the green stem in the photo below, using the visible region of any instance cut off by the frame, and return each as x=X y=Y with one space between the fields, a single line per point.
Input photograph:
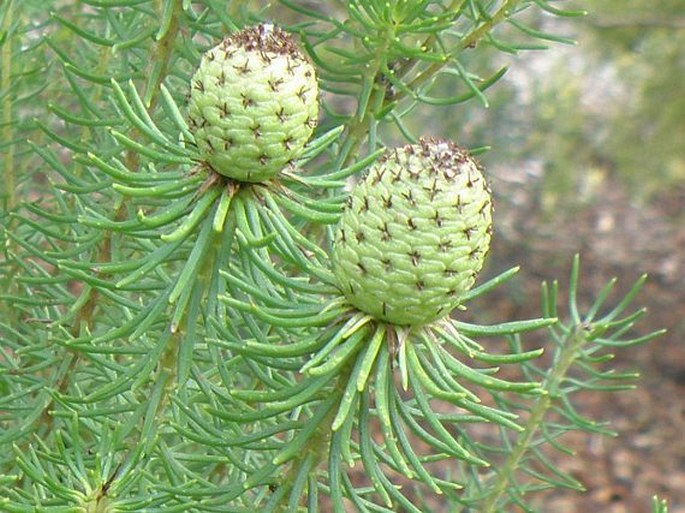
x=9 y=178
x=358 y=126
x=85 y=316
x=468 y=41
x=570 y=349
x=170 y=370
x=319 y=444
x=161 y=54
x=405 y=67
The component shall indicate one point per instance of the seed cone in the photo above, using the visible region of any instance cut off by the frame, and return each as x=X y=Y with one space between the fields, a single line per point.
x=253 y=104
x=414 y=234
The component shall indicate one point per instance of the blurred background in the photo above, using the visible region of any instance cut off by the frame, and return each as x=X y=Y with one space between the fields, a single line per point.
x=588 y=156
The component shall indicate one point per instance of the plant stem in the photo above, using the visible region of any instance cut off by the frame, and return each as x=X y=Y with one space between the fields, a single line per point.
x=467 y=41
x=5 y=73
x=405 y=67
x=319 y=443
x=358 y=126
x=84 y=316
x=568 y=352
x=161 y=54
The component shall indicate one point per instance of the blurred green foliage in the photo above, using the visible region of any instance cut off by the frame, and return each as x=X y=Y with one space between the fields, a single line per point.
x=646 y=44
x=610 y=106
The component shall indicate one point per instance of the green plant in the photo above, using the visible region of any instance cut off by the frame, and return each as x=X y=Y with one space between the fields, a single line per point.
x=174 y=339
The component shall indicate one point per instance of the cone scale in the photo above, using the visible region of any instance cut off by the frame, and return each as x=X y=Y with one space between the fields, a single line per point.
x=414 y=234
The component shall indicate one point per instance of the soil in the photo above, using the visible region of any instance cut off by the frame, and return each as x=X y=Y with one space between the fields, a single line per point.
x=616 y=238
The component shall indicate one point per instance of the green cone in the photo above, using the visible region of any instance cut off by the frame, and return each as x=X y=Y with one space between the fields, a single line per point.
x=414 y=234
x=253 y=104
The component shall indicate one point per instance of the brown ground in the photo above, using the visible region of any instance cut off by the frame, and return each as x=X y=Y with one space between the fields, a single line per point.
x=615 y=238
